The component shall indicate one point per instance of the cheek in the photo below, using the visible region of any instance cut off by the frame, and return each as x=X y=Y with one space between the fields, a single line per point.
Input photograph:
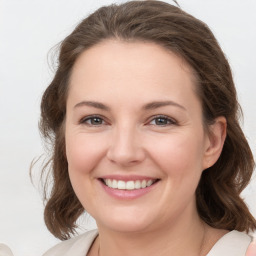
x=180 y=160
x=83 y=153
x=179 y=154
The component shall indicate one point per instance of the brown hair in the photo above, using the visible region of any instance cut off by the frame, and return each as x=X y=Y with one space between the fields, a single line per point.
x=217 y=195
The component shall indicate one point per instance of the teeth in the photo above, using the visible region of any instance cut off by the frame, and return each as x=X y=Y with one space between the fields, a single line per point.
x=128 y=185
x=120 y=184
x=114 y=184
x=137 y=184
x=108 y=183
x=149 y=183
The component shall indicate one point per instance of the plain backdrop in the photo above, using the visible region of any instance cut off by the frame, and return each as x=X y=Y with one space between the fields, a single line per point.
x=28 y=30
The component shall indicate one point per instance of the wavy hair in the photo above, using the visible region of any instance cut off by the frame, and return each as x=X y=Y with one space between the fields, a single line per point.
x=218 y=194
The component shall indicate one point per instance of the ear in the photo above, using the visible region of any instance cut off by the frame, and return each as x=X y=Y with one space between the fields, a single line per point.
x=215 y=141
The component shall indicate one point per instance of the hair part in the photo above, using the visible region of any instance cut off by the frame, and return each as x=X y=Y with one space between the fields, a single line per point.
x=218 y=194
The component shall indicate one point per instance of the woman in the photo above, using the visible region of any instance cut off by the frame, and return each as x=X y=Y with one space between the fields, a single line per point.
x=143 y=117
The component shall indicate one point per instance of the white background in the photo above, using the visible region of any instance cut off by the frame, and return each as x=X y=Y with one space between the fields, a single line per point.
x=28 y=29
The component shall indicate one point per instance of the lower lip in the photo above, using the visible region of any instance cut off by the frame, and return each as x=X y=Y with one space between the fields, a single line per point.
x=127 y=194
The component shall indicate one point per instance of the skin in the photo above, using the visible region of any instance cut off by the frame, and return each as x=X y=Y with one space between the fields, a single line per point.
x=252 y=249
x=127 y=138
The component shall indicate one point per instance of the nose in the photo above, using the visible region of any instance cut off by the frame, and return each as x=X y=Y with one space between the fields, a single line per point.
x=125 y=147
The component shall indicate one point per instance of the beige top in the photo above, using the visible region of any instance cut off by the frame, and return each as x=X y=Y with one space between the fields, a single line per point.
x=5 y=250
x=233 y=243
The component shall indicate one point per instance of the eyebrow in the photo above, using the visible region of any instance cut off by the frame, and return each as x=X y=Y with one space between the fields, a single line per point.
x=148 y=106
x=159 y=104
x=93 y=104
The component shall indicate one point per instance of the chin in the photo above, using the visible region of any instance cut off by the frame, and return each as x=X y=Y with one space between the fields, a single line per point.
x=125 y=222
x=127 y=227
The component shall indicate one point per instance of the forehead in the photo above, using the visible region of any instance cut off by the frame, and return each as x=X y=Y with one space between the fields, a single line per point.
x=138 y=68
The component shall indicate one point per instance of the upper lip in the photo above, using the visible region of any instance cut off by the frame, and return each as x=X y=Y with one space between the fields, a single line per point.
x=127 y=177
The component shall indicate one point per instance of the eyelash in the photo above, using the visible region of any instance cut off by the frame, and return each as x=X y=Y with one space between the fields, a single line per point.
x=90 y=118
x=168 y=120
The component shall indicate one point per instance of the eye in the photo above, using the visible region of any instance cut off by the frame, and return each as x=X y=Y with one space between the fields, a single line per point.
x=92 y=121
x=162 y=121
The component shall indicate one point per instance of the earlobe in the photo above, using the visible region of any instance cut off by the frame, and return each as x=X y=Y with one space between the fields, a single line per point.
x=216 y=139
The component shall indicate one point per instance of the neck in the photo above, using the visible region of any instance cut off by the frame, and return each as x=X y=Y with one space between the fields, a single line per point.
x=172 y=239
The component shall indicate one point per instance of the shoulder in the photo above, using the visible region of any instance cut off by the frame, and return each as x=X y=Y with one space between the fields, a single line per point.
x=233 y=243
x=5 y=250
x=77 y=246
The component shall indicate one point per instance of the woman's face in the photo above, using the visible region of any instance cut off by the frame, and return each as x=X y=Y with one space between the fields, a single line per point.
x=135 y=141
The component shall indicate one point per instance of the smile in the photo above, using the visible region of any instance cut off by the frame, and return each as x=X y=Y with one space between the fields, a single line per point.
x=128 y=185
